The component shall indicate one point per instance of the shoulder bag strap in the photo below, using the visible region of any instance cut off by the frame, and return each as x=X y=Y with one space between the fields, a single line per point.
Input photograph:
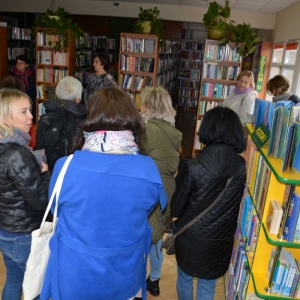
x=204 y=212
x=56 y=192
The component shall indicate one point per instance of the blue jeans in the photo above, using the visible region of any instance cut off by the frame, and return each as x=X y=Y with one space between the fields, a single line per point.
x=15 y=252
x=156 y=258
x=184 y=286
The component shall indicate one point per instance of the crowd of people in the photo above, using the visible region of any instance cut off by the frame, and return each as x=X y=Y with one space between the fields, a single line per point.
x=119 y=193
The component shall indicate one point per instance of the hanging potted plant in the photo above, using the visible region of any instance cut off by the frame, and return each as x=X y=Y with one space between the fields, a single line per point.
x=61 y=22
x=148 y=22
x=215 y=19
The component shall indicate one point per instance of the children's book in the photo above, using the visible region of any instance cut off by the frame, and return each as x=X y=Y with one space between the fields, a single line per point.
x=291 y=155
x=263 y=113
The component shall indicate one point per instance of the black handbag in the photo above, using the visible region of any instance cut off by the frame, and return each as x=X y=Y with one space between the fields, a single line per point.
x=169 y=242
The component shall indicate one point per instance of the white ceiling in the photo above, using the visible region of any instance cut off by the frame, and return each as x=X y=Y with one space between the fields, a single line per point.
x=263 y=6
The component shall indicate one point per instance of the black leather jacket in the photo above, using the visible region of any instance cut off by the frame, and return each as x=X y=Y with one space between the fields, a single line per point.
x=23 y=189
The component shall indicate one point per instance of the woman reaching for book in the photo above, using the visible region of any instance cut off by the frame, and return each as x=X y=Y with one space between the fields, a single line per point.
x=204 y=249
x=242 y=99
x=100 y=78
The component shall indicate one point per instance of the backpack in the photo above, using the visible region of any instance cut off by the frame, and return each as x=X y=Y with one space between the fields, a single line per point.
x=55 y=133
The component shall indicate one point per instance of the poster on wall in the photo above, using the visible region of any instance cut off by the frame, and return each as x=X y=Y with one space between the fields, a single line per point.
x=261 y=73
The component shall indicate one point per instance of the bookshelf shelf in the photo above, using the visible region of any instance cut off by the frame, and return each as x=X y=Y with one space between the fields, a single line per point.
x=220 y=67
x=47 y=71
x=273 y=262
x=275 y=164
x=145 y=58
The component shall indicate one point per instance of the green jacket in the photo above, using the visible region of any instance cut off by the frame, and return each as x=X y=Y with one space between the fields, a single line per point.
x=163 y=144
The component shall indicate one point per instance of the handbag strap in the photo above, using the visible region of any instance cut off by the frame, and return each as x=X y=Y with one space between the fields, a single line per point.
x=189 y=224
x=56 y=192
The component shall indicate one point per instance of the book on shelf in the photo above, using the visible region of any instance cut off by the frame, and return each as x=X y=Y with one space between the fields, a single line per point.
x=263 y=113
x=278 y=131
x=274 y=217
x=291 y=156
x=291 y=220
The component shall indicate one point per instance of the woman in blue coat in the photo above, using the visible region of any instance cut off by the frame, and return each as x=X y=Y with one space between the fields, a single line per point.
x=100 y=246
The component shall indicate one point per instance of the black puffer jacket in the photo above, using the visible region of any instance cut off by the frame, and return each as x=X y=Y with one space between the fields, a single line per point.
x=23 y=189
x=204 y=249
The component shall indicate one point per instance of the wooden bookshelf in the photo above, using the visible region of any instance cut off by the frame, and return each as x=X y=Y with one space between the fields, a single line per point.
x=49 y=70
x=3 y=52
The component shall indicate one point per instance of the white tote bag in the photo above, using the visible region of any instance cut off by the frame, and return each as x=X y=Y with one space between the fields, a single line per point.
x=39 y=252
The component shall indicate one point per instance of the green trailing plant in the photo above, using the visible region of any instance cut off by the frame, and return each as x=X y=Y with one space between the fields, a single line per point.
x=217 y=15
x=244 y=33
x=61 y=24
x=157 y=25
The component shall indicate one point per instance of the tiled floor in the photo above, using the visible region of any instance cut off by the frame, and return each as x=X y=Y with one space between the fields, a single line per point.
x=167 y=281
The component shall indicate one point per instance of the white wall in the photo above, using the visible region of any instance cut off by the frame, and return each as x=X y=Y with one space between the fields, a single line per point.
x=287 y=25
x=130 y=9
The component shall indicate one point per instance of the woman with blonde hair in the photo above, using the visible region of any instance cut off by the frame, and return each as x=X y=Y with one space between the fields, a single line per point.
x=162 y=143
x=242 y=99
x=24 y=181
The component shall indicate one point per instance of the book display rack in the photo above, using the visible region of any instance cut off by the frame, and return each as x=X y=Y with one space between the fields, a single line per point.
x=51 y=65
x=266 y=254
x=221 y=66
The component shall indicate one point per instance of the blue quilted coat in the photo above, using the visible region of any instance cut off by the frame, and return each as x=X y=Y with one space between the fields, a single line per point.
x=204 y=249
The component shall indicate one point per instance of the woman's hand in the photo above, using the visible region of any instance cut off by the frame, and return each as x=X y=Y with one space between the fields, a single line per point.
x=44 y=167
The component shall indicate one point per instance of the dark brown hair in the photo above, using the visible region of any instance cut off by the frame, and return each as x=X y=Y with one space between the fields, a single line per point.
x=104 y=61
x=278 y=85
x=12 y=82
x=111 y=109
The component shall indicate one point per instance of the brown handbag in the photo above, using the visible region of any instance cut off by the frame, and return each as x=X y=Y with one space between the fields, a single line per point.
x=169 y=242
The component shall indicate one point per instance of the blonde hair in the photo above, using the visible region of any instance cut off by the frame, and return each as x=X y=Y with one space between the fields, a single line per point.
x=158 y=104
x=248 y=74
x=9 y=101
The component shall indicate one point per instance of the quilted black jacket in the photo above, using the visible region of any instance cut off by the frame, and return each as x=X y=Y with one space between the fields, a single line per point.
x=204 y=249
x=23 y=189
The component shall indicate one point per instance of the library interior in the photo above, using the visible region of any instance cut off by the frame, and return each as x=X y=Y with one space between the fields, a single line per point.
x=198 y=72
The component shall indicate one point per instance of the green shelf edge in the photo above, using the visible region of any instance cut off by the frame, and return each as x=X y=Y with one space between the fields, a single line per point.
x=279 y=243
x=268 y=296
x=279 y=178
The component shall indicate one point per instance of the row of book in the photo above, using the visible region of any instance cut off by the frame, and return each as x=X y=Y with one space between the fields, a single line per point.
x=220 y=72
x=95 y=42
x=134 y=82
x=139 y=64
x=137 y=45
x=84 y=59
x=47 y=40
x=205 y=106
x=45 y=91
x=187 y=102
x=165 y=64
x=281 y=119
x=14 y=52
x=225 y=53
x=258 y=176
x=216 y=90
x=169 y=47
x=47 y=57
x=136 y=98
x=284 y=273
x=193 y=93
x=238 y=275
x=83 y=76
x=192 y=55
x=192 y=45
x=188 y=83
x=51 y=75
x=195 y=64
x=18 y=33
x=166 y=77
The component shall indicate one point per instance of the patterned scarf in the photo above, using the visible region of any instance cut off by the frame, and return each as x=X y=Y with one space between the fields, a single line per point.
x=23 y=75
x=237 y=91
x=23 y=138
x=110 y=141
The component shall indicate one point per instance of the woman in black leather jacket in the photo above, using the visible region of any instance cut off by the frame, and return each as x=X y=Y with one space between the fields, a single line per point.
x=24 y=180
x=204 y=249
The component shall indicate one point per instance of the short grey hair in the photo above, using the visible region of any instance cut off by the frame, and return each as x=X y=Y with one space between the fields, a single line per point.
x=158 y=104
x=69 y=88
